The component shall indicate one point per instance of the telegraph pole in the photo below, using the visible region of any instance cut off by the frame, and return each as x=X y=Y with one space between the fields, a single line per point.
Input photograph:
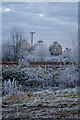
x=32 y=34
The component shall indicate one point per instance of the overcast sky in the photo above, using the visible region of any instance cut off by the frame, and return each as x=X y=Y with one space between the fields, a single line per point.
x=50 y=21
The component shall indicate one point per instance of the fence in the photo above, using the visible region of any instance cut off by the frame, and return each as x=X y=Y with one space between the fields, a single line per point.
x=49 y=63
x=32 y=64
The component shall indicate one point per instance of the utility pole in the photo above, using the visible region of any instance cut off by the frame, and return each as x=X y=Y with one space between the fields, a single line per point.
x=32 y=34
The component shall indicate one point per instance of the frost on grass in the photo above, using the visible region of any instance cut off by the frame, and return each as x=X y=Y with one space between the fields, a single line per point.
x=41 y=78
x=40 y=92
x=45 y=103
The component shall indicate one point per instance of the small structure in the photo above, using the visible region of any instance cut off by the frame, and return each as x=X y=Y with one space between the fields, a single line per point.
x=55 y=49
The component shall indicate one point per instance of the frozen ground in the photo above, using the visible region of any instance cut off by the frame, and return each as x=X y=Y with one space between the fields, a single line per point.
x=42 y=104
x=43 y=92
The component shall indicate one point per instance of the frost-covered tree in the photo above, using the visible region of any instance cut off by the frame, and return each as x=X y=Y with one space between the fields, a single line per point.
x=17 y=37
x=41 y=51
x=75 y=49
x=7 y=52
x=67 y=54
x=11 y=50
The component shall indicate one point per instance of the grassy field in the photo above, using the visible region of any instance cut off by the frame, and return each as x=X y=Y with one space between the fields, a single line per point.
x=42 y=104
x=39 y=97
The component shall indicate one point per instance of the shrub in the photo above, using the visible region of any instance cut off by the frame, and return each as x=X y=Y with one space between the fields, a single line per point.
x=14 y=74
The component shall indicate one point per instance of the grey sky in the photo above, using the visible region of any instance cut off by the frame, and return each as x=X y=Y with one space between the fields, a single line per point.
x=51 y=21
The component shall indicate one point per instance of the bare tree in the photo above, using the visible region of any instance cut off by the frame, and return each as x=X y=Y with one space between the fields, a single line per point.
x=11 y=50
x=17 y=40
